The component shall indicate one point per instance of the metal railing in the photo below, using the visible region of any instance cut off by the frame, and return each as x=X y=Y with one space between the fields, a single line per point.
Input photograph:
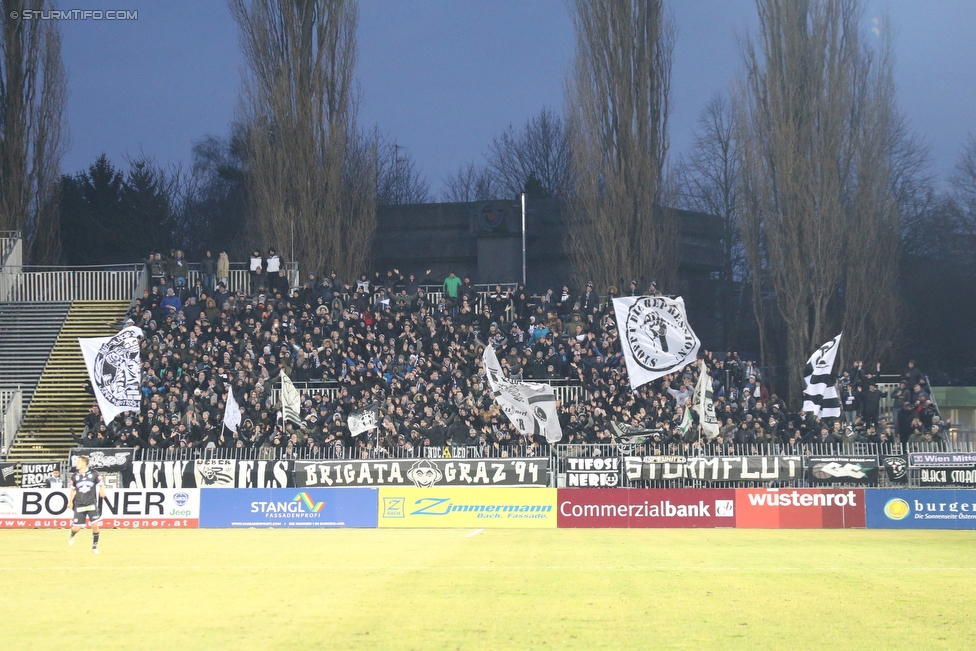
x=11 y=414
x=11 y=257
x=9 y=240
x=567 y=393
x=329 y=391
x=326 y=392
x=142 y=284
x=37 y=283
x=239 y=278
x=436 y=296
x=23 y=283
x=563 y=452
x=366 y=451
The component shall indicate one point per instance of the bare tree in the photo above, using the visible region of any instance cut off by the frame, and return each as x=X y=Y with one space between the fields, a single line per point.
x=618 y=98
x=818 y=137
x=214 y=207
x=708 y=182
x=540 y=151
x=398 y=177
x=33 y=133
x=890 y=165
x=963 y=179
x=305 y=158
x=470 y=183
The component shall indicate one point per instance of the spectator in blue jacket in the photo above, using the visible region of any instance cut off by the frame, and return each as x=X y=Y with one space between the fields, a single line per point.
x=171 y=302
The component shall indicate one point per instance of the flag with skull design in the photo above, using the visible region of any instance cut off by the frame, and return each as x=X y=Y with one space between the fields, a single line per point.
x=115 y=371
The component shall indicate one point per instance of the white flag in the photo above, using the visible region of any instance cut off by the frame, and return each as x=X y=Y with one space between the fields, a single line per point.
x=704 y=403
x=232 y=411
x=686 y=420
x=291 y=401
x=820 y=396
x=115 y=371
x=655 y=336
x=364 y=419
x=530 y=406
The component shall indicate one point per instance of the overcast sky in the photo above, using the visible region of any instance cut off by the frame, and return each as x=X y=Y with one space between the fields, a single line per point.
x=444 y=77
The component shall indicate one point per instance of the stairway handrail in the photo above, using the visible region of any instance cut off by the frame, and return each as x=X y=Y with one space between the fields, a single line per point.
x=129 y=266
x=11 y=415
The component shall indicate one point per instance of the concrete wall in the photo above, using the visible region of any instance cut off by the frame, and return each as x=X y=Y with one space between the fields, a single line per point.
x=483 y=240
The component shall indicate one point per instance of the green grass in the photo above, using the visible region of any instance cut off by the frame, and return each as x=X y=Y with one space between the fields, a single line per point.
x=498 y=589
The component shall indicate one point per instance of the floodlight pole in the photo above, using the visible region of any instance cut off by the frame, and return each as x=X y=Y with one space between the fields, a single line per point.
x=523 y=238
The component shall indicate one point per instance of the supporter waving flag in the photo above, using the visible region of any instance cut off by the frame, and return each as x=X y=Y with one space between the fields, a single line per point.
x=704 y=404
x=232 y=412
x=115 y=371
x=655 y=336
x=820 y=397
x=686 y=420
x=291 y=401
x=364 y=419
x=530 y=406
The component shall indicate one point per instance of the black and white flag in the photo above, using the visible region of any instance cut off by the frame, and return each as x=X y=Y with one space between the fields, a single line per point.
x=896 y=467
x=115 y=371
x=364 y=419
x=704 y=403
x=627 y=436
x=7 y=470
x=655 y=336
x=530 y=406
x=291 y=401
x=820 y=396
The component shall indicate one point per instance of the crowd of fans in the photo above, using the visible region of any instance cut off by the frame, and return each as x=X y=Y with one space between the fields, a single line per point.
x=383 y=340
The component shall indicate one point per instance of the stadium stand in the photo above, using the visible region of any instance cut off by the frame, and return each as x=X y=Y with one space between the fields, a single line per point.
x=381 y=340
x=386 y=339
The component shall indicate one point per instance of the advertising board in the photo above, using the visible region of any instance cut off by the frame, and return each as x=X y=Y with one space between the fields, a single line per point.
x=646 y=507
x=47 y=508
x=523 y=508
x=799 y=508
x=921 y=509
x=288 y=507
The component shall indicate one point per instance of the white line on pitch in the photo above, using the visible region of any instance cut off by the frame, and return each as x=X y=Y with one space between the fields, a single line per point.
x=382 y=568
x=474 y=533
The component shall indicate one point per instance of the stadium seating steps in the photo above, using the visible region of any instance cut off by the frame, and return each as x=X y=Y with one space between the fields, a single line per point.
x=60 y=402
x=27 y=334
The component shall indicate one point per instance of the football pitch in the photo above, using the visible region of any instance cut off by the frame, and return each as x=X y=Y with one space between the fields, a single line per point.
x=491 y=589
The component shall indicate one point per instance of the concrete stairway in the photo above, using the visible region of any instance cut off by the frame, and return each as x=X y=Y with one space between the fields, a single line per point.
x=60 y=402
x=27 y=334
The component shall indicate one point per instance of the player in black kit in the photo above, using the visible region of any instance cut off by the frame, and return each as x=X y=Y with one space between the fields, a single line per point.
x=86 y=488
